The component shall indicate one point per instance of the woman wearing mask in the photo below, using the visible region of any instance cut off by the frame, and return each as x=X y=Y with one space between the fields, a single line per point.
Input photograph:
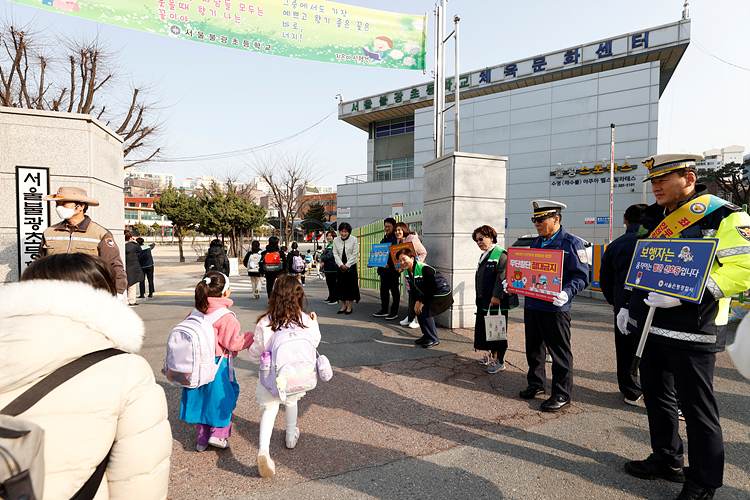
x=345 y=250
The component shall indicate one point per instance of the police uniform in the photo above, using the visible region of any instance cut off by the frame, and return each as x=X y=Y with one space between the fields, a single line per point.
x=85 y=237
x=680 y=352
x=549 y=325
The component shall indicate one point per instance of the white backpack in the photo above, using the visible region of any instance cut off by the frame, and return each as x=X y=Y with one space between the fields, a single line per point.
x=191 y=349
x=253 y=262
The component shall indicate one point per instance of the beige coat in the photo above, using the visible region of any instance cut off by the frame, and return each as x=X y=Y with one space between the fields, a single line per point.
x=115 y=403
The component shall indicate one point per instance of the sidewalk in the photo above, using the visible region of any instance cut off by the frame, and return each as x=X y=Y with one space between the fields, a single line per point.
x=398 y=421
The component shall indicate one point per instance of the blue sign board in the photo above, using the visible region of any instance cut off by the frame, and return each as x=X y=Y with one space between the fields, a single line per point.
x=602 y=220
x=379 y=255
x=672 y=266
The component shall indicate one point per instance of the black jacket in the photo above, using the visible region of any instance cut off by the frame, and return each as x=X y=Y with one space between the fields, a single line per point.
x=217 y=260
x=614 y=268
x=488 y=282
x=132 y=266
x=390 y=268
x=270 y=249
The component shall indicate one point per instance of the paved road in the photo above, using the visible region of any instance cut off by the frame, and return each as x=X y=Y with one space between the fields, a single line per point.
x=398 y=421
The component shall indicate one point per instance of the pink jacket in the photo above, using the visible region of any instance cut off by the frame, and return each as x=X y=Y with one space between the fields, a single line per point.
x=264 y=336
x=227 y=329
x=418 y=246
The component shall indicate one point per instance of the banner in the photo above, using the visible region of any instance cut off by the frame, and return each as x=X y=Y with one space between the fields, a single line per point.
x=395 y=248
x=672 y=266
x=534 y=272
x=314 y=30
x=378 y=255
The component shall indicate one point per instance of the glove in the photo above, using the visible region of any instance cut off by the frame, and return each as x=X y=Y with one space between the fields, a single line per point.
x=622 y=321
x=561 y=300
x=505 y=286
x=658 y=300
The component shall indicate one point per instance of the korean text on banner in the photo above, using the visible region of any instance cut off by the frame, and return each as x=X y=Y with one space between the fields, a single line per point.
x=316 y=30
x=534 y=272
x=378 y=255
x=672 y=266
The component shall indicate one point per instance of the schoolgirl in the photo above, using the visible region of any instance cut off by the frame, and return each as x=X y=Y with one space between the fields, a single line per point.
x=285 y=312
x=210 y=406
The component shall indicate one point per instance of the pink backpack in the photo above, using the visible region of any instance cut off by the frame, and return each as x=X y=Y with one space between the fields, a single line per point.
x=191 y=350
x=290 y=366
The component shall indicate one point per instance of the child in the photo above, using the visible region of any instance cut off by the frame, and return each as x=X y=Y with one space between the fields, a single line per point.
x=210 y=406
x=285 y=312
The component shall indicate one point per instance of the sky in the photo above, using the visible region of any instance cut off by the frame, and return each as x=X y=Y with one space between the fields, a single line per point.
x=217 y=99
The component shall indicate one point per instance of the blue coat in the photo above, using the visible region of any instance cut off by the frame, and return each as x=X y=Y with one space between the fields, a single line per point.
x=614 y=270
x=575 y=269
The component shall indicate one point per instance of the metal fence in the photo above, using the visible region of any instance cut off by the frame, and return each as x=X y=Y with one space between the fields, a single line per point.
x=370 y=235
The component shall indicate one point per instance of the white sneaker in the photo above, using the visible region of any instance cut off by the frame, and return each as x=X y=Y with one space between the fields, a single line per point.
x=414 y=324
x=291 y=441
x=218 y=442
x=633 y=402
x=266 y=467
x=404 y=322
x=201 y=447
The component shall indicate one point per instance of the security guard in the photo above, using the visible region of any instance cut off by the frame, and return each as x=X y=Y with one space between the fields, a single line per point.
x=680 y=353
x=78 y=233
x=548 y=323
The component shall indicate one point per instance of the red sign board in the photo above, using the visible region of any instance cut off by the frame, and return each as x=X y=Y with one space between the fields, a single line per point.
x=535 y=272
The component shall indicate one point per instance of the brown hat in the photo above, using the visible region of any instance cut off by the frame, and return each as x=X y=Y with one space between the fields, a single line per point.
x=69 y=193
x=659 y=165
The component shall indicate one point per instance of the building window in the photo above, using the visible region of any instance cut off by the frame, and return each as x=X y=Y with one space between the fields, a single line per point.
x=131 y=214
x=391 y=170
x=131 y=204
x=395 y=126
x=144 y=205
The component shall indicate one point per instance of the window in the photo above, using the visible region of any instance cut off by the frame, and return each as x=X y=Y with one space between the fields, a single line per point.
x=395 y=126
x=144 y=205
x=131 y=204
x=131 y=214
x=390 y=170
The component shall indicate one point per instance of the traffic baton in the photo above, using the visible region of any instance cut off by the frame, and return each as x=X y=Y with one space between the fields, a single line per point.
x=642 y=343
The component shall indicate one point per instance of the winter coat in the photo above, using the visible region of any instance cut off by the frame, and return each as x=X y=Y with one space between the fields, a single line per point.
x=45 y=325
x=145 y=257
x=227 y=329
x=272 y=249
x=390 y=268
x=418 y=246
x=263 y=335
x=352 y=249
x=132 y=264
x=217 y=260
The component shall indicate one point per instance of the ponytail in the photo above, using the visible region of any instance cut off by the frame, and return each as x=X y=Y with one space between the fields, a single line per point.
x=213 y=284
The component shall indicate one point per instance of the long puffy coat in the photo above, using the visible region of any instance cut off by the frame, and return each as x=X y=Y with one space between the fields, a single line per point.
x=114 y=404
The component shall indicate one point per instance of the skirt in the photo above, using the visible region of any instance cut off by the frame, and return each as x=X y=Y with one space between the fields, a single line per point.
x=211 y=404
x=347 y=284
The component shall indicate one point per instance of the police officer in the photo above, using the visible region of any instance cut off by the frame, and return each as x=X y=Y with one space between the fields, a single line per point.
x=612 y=274
x=680 y=353
x=78 y=233
x=548 y=323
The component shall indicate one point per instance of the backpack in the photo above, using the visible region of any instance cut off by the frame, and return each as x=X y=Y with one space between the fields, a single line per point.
x=22 y=441
x=308 y=258
x=191 y=349
x=272 y=260
x=298 y=265
x=252 y=263
x=291 y=366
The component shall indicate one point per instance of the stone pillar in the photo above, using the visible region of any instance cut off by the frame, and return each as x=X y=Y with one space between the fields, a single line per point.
x=462 y=191
x=78 y=150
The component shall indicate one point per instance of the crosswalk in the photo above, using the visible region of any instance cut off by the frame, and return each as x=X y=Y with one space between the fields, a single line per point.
x=238 y=283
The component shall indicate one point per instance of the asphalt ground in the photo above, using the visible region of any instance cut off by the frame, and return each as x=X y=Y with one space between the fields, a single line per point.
x=398 y=421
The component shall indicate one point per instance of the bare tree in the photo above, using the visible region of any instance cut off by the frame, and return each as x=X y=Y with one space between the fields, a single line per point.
x=77 y=76
x=287 y=173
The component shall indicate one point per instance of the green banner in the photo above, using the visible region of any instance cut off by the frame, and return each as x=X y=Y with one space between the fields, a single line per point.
x=314 y=30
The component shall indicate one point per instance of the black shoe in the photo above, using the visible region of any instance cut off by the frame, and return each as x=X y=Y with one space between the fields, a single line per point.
x=349 y=312
x=392 y=316
x=380 y=314
x=430 y=343
x=530 y=392
x=555 y=403
x=343 y=311
x=691 y=491
x=140 y=297
x=655 y=468
x=421 y=340
x=151 y=296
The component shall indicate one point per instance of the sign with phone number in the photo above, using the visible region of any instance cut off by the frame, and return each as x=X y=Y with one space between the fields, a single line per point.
x=672 y=266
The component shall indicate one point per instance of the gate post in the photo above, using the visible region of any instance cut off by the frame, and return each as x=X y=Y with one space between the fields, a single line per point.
x=462 y=191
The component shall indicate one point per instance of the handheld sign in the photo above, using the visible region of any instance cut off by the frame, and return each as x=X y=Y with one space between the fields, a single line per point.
x=670 y=266
x=395 y=248
x=379 y=255
x=535 y=272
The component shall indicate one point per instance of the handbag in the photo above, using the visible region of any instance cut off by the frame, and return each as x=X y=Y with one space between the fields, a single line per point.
x=325 y=372
x=494 y=326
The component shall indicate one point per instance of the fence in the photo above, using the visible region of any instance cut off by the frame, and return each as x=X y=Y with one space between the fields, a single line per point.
x=370 y=235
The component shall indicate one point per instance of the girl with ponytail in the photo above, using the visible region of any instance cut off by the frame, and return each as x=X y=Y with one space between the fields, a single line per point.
x=210 y=406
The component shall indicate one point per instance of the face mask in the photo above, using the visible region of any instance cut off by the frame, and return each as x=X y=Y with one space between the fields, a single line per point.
x=65 y=213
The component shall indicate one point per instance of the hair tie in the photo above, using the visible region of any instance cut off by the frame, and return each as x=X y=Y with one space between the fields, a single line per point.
x=226 y=283
x=207 y=280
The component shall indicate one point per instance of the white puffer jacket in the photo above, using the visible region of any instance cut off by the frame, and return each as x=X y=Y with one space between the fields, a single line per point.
x=46 y=324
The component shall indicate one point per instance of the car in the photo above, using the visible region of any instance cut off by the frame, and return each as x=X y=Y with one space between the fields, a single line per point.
x=527 y=239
